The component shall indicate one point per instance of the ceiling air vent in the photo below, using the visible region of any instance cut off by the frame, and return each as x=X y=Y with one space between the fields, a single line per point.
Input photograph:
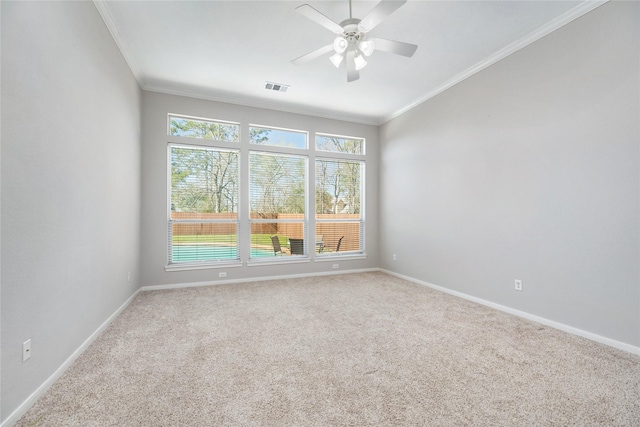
x=278 y=87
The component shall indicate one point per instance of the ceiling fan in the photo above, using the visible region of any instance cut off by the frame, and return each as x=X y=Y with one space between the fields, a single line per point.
x=352 y=41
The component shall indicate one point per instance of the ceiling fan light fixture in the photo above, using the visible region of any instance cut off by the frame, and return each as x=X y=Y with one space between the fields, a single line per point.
x=340 y=44
x=360 y=62
x=350 y=37
x=336 y=59
x=366 y=47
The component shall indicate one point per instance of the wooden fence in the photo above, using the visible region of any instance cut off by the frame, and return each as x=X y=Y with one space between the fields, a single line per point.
x=203 y=228
x=330 y=231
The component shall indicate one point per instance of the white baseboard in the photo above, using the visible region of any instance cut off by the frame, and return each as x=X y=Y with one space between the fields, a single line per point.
x=254 y=279
x=28 y=403
x=557 y=325
x=24 y=407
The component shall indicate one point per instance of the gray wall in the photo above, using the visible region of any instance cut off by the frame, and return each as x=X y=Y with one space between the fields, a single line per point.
x=155 y=109
x=528 y=170
x=70 y=186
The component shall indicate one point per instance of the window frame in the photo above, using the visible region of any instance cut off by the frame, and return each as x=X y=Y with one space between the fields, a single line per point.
x=244 y=147
x=275 y=128
x=344 y=157
x=272 y=150
x=202 y=264
x=363 y=144
x=203 y=119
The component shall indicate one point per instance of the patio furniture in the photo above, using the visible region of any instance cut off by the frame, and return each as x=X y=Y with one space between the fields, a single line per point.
x=277 y=250
x=339 y=243
x=296 y=246
x=319 y=243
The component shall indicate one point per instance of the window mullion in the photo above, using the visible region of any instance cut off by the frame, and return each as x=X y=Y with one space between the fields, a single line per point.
x=224 y=207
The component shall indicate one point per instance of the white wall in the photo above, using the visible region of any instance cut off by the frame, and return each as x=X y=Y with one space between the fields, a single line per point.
x=70 y=186
x=155 y=109
x=528 y=170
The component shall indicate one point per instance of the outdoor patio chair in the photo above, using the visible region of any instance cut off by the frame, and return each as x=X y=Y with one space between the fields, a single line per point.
x=339 y=243
x=276 y=245
x=296 y=246
x=319 y=243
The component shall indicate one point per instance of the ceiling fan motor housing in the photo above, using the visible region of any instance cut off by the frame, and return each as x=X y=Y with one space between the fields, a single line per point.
x=351 y=31
x=351 y=42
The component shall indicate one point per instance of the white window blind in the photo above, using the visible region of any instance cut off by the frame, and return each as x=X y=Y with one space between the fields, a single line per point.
x=203 y=212
x=339 y=215
x=277 y=202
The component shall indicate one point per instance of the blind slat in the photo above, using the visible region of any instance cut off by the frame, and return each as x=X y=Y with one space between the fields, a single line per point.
x=203 y=224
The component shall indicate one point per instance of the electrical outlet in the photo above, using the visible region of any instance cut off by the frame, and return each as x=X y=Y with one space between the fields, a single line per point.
x=394 y=257
x=336 y=265
x=222 y=275
x=26 y=350
x=518 y=285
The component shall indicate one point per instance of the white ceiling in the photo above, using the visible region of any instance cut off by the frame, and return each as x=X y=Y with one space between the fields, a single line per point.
x=226 y=50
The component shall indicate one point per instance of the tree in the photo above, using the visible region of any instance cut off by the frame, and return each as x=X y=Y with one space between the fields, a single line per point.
x=277 y=183
x=205 y=130
x=323 y=201
x=258 y=135
x=202 y=179
x=339 y=145
x=337 y=186
x=350 y=181
x=296 y=199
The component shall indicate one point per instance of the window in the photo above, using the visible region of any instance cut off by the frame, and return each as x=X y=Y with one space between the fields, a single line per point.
x=204 y=129
x=204 y=225
x=339 y=196
x=278 y=137
x=203 y=212
x=339 y=144
x=277 y=199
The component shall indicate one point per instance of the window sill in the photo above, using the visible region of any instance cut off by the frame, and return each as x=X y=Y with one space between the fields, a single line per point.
x=327 y=258
x=279 y=261
x=204 y=266
x=259 y=263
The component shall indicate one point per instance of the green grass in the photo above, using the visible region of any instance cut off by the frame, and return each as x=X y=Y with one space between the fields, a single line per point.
x=256 y=239
x=217 y=238
x=265 y=240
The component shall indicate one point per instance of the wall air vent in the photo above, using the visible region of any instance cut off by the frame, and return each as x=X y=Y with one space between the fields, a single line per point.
x=278 y=87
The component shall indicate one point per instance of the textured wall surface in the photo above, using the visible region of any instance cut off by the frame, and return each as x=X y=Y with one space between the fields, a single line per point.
x=528 y=170
x=70 y=186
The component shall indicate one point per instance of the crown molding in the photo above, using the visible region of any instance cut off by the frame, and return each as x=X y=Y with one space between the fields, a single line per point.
x=103 y=9
x=104 y=12
x=267 y=105
x=581 y=9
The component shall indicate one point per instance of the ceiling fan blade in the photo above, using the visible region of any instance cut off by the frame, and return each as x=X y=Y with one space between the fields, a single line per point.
x=313 y=55
x=379 y=13
x=391 y=46
x=318 y=17
x=352 y=73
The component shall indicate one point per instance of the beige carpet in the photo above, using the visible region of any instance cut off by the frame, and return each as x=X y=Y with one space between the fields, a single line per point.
x=349 y=350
